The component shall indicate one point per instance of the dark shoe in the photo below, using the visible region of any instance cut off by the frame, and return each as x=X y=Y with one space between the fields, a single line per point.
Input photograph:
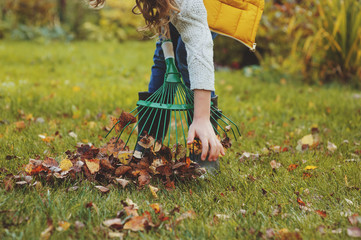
x=148 y=122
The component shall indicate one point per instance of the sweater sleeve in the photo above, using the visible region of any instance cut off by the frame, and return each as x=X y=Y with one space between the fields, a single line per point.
x=191 y=23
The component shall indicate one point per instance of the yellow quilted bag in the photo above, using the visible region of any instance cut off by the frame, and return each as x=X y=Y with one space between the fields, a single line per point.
x=238 y=19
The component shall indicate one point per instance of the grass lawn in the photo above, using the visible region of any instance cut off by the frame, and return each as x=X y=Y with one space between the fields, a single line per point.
x=75 y=87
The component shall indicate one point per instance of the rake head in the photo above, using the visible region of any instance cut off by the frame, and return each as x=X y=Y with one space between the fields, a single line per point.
x=167 y=114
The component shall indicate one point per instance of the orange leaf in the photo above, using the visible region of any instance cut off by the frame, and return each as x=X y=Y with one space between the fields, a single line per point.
x=292 y=167
x=136 y=223
x=321 y=213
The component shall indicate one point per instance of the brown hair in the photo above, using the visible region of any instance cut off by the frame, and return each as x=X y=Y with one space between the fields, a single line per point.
x=156 y=13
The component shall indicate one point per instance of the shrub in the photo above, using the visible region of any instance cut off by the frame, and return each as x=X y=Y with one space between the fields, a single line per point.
x=116 y=22
x=333 y=51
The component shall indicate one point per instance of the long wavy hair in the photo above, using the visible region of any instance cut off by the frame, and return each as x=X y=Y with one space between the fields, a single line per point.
x=156 y=13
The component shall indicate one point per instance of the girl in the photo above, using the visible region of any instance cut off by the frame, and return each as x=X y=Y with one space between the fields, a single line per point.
x=186 y=23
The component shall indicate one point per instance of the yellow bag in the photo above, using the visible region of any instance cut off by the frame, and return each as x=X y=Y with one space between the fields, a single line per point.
x=238 y=19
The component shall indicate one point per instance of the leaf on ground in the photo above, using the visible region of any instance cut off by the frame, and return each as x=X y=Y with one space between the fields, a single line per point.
x=354 y=219
x=65 y=164
x=103 y=189
x=144 y=178
x=275 y=165
x=154 y=191
x=331 y=147
x=122 y=170
x=20 y=125
x=310 y=167
x=63 y=226
x=300 y=202
x=321 y=213
x=155 y=207
x=116 y=223
x=93 y=165
x=125 y=157
x=354 y=232
x=137 y=223
x=189 y=214
x=292 y=167
x=307 y=140
x=122 y=182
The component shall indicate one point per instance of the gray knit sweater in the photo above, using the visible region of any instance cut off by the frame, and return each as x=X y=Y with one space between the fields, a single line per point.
x=191 y=23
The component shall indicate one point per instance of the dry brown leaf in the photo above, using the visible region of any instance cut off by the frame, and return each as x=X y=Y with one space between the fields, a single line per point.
x=122 y=170
x=137 y=223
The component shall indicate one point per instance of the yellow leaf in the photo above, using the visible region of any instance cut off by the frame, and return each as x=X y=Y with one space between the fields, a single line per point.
x=76 y=89
x=93 y=165
x=63 y=225
x=307 y=140
x=154 y=191
x=65 y=165
x=125 y=157
x=310 y=167
x=155 y=207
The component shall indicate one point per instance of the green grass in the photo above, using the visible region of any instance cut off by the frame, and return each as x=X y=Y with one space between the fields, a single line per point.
x=71 y=85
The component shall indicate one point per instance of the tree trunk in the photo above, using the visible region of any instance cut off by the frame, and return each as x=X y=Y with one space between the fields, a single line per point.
x=62 y=10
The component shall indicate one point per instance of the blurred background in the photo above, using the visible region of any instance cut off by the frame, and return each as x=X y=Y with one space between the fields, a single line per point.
x=314 y=41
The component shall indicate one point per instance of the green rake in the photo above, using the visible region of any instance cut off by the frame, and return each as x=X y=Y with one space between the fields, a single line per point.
x=167 y=113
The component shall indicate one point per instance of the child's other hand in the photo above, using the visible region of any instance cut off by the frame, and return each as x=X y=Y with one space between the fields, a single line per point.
x=211 y=146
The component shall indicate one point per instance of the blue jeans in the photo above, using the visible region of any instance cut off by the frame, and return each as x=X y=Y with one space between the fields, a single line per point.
x=159 y=67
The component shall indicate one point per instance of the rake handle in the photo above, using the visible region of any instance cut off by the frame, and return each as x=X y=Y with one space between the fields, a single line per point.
x=168 y=50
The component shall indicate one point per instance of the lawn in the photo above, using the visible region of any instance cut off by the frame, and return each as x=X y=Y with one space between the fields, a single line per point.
x=59 y=88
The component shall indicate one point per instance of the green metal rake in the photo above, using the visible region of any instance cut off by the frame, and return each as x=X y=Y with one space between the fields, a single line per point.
x=170 y=109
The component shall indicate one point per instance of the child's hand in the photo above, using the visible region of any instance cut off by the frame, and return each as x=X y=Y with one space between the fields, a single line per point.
x=202 y=128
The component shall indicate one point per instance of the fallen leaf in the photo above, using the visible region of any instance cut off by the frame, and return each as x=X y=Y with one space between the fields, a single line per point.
x=275 y=165
x=122 y=170
x=102 y=189
x=125 y=119
x=310 y=167
x=300 y=202
x=45 y=235
x=331 y=147
x=155 y=207
x=20 y=125
x=137 y=223
x=122 y=182
x=354 y=232
x=125 y=157
x=189 y=214
x=307 y=140
x=65 y=165
x=114 y=223
x=93 y=165
x=321 y=213
x=63 y=226
x=354 y=219
x=292 y=167
x=153 y=190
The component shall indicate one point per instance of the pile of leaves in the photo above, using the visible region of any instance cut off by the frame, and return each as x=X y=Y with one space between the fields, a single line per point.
x=113 y=163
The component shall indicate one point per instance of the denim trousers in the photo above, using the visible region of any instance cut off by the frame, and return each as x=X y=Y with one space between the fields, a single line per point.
x=159 y=66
